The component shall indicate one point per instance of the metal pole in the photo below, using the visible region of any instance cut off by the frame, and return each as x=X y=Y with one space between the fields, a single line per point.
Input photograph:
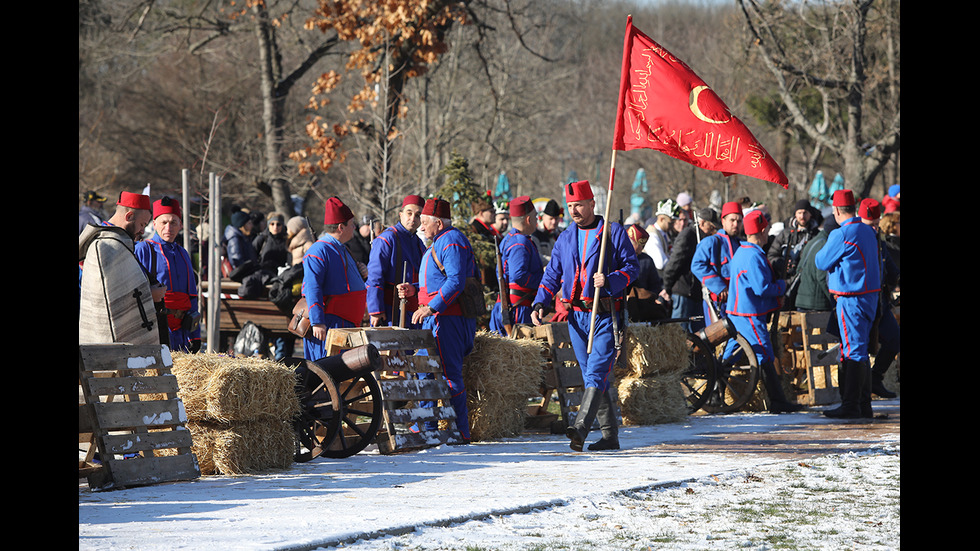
x=214 y=262
x=186 y=207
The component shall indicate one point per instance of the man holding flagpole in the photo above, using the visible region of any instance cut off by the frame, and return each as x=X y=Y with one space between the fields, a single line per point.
x=574 y=274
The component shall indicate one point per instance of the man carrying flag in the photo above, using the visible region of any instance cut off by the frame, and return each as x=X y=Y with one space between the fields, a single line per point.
x=574 y=272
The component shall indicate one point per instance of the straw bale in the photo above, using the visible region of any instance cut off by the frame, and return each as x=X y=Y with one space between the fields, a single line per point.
x=651 y=400
x=241 y=447
x=653 y=351
x=500 y=375
x=222 y=389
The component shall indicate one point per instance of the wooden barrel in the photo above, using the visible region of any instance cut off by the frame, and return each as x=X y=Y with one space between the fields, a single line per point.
x=718 y=332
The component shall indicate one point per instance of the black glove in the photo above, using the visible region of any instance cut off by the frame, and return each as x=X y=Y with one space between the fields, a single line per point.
x=539 y=308
x=195 y=346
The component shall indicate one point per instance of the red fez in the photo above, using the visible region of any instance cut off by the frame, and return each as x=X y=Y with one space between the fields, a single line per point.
x=637 y=233
x=166 y=206
x=731 y=207
x=755 y=222
x=843 y=198
x=522 y=206
x=870 y=209
x=336 y=212
x=134 y=200
x=578 y=191
x=437 y=207
x=413 y=200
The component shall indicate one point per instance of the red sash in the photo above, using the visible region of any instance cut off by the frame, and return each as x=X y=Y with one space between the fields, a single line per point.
x=452 y=310
x=174 y=300
x=348 y=306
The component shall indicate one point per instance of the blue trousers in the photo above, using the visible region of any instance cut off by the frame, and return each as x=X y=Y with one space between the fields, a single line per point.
x=520 y=314
x=596 y=367
x=755 y=330
x=855 y=316
x=454 y=340
x=686 y=307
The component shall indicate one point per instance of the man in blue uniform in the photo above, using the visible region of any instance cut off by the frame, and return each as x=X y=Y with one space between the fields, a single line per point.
x=332 y=285
x=522 y=267
x=444 y=269
x=575 y=274
x=167 y=261
x=396 y=255
x=712 y=256
x=754 y=293
x=850 y=258
x=887 y=331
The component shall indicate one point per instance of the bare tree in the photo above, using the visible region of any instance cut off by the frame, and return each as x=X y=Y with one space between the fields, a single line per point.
x=823 y=48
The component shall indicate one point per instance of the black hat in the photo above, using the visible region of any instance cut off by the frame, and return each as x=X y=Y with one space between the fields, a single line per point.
x=93 y=196
x=552 y=208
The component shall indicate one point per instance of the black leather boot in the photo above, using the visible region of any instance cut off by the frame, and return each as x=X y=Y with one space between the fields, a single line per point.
x=774 y=388
x=883 y=361
x=849 y=377
x=607 y=424
x=865 y=396
x=587 y=410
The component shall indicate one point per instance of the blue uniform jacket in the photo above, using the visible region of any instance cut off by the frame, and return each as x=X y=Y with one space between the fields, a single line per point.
x=752 y=290
x=712 y=260
x=437 y=289
x=522 y=265
x=850 y=258
x=332 y=284
x=389 y=252
x=574 y=261
x=173 y=269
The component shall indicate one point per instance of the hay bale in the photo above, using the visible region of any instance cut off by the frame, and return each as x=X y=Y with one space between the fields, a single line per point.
x=652 y=400
x=500 y=375
x=653 y=351
x=221 y=389
x=241 y=447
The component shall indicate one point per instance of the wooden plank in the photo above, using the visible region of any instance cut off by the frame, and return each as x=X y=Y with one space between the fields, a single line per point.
x=155 y=440
x=422 y=439
x=408 y=416
x=106 y=386
x=140 y=471
x=414 y=389
x=130 y=415
x=123 y=356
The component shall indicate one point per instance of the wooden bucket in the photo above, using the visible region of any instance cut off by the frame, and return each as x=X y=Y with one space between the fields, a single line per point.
x=718 y=332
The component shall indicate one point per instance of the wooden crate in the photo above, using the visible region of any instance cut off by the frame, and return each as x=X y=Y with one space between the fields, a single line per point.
x=801 y=346
x=401 y=390
x=117 y=417
x=562 y=375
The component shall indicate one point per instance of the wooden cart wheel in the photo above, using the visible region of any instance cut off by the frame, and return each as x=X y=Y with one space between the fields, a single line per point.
x=321 y=409
x=361 y=405
x=738 y=378
x=700 y=377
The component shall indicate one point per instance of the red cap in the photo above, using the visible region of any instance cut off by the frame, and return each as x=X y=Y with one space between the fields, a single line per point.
x=521 y=206
x=755 y=222
x=578 y=191
x=437 y=207
x=166 y=205
x=870 y=209
x=336 y=212
x=637 y=233
x=413 y=200
x=731 y=207
x=843 y=198
x=134 y=200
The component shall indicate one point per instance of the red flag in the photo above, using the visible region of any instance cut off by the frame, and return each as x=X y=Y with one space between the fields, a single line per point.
x=663 y=105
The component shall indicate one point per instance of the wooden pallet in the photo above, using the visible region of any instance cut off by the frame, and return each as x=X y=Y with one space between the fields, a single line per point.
x=802 y=340
x=120 y=414
x=401 y=390
x=562 y=375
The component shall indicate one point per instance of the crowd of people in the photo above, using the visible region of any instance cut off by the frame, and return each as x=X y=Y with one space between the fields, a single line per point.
x=686 y=264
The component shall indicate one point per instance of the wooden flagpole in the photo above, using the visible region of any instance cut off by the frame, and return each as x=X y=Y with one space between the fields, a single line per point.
x=602 y=249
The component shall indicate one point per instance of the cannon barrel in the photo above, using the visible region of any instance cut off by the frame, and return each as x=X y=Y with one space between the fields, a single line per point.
x=351 y=363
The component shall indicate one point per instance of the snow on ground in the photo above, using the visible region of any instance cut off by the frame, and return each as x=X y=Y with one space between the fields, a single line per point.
x=531 y=492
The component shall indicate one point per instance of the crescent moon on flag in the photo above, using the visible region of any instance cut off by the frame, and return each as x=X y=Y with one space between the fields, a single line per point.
x=697 y=110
